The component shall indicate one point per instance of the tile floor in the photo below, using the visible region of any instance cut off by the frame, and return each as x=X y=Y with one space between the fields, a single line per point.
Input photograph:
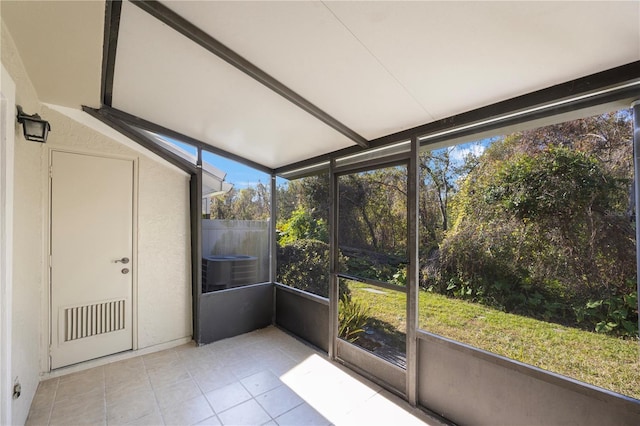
x=261 y=378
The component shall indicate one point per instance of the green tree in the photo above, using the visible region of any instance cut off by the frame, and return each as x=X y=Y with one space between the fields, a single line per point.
x=302 y=226
x=373 y=213
x=251 y=203
x=440 y=170
x=539 y=231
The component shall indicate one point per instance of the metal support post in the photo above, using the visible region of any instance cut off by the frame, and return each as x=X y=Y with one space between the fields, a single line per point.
x=273 y=249
x=196 y=245
x=333 y=261
x=412 y=273
x=636 y=174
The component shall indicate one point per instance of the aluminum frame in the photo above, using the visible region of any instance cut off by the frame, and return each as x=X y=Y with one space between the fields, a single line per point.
x=334 y=256
x=413 y=267
x=636 y=180
x=196 y=246
x=113 y=10
x=360 y=360
x=273 y=243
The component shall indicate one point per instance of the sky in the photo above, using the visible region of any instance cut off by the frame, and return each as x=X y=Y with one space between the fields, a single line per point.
x=242 y=176
x=460 y=152
x=238 y=174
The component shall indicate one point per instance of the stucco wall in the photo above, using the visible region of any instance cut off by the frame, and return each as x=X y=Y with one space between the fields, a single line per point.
x=28 y=243
x=163 y=238
x=164 y=256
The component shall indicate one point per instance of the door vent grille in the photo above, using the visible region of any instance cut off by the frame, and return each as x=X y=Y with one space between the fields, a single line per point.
x=90 y=320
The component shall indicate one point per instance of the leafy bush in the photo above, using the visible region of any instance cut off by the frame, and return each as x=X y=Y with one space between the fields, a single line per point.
x=304 y=264
x=400 y=277
x=534 y=234
x=616 y=315
x=302 y=226
x=373 y=265
x=555 y=182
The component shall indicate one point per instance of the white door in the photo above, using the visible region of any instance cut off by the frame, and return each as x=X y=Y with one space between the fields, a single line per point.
x=91 y=252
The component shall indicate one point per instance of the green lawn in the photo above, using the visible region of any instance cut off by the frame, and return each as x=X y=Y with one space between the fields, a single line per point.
x=597 y=359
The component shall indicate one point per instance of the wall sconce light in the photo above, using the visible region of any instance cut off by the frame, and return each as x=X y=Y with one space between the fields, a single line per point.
x=35 y=128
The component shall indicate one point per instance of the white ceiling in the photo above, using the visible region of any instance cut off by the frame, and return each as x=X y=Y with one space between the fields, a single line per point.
x=165 y=78
x=377 y=67
x=60 y=44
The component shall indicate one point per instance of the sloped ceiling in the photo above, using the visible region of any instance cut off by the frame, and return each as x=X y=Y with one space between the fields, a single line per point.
x=376 y=67
x=60 y=44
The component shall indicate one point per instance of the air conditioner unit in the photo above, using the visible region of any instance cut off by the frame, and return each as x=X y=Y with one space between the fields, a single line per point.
x=220 y=272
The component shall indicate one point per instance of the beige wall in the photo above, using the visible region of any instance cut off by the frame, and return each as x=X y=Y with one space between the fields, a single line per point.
x=163 y=237
x=28 y=243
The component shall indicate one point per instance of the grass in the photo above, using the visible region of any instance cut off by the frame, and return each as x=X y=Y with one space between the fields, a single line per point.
x=601 y=360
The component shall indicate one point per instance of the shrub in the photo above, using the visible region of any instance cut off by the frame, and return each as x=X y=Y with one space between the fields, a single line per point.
x=542 y=234
x=615 y=315
x=302 y=226
x=352 y=317
x=304 y=264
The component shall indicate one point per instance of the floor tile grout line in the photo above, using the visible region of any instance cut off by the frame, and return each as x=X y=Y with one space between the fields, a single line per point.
x=202 y=394
x=53 y=401
x=148 y=380
x=258 y=402
x=155 y=395
x=285 y=412
x=104 y=397
x=254 y=398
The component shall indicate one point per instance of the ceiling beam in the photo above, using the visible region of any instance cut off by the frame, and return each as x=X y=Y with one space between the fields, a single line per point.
x=139 y=138
x=594 y=89
x=611 y=85
x=114 y=115
x=195 y=34
x=110 y=44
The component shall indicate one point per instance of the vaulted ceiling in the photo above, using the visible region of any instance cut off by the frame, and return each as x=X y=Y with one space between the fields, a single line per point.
x=302 y=79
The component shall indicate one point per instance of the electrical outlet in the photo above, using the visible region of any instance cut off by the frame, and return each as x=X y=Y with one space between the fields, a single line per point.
x=17 y=389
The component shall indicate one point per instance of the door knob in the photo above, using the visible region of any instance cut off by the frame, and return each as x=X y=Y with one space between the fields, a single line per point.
x=124 y=260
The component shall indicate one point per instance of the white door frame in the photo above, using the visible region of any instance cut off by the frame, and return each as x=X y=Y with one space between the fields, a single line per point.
x=46 y=318
x=7 y=140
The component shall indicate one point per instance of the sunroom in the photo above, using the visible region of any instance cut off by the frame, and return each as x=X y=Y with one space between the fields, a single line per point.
x=436 y=197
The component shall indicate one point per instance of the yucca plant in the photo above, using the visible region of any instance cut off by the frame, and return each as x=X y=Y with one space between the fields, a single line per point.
x=352 y=317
